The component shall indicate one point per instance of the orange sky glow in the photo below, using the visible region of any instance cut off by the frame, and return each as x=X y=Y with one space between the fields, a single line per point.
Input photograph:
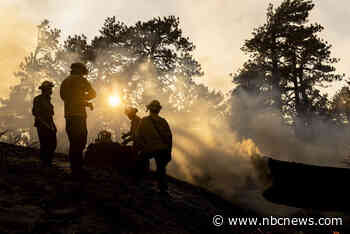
x=218 y=29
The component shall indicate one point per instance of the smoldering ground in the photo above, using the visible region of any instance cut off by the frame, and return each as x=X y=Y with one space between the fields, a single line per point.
x=207 y=151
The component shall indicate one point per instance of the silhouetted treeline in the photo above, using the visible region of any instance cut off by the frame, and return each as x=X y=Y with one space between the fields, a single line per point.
x=275 y=107
x=139 y=62
x=288 y=65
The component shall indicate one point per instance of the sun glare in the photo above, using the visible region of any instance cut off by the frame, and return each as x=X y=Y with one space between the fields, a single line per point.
x=114 y=101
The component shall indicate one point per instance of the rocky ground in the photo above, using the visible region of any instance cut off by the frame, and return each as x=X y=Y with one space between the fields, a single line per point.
x=36 y=200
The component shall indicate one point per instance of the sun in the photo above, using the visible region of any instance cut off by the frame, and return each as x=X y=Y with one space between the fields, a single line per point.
x=114 y=101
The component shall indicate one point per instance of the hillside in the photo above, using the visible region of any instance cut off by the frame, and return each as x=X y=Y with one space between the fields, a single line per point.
x=33 y=200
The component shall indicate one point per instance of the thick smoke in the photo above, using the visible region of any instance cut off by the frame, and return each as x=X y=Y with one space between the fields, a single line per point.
x=17 y=37
x=322 y=143
x=218 y=144
x=207 y=151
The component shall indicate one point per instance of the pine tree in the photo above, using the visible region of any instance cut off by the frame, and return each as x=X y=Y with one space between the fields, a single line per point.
x=41 y=64
x=293 y=62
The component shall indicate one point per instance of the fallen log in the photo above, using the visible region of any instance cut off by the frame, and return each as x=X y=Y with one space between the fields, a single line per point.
x=308 y=186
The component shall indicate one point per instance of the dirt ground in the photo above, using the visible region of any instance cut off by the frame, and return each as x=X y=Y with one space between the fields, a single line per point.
x=36 y=200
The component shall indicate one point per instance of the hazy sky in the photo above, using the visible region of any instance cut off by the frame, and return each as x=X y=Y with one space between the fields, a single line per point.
x=217 y=27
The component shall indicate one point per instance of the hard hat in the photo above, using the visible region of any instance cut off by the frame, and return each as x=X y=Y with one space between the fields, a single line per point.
x=154 y=105
x=79 y=67
x=46 y=85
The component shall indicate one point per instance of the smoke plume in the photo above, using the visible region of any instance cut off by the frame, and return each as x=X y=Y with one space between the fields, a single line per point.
x=17 y=37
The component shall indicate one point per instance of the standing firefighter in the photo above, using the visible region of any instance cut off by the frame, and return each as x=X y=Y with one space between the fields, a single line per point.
x=135 y=120
x=154 y=140
x=43 y=112
x=76 y=92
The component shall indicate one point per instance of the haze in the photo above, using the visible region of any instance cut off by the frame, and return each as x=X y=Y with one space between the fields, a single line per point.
x=217 y=28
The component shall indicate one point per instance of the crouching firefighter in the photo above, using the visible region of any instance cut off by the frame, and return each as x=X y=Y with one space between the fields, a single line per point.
x=135 y=121
x=142 y=166
x=154 y=140
x=43 y=112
